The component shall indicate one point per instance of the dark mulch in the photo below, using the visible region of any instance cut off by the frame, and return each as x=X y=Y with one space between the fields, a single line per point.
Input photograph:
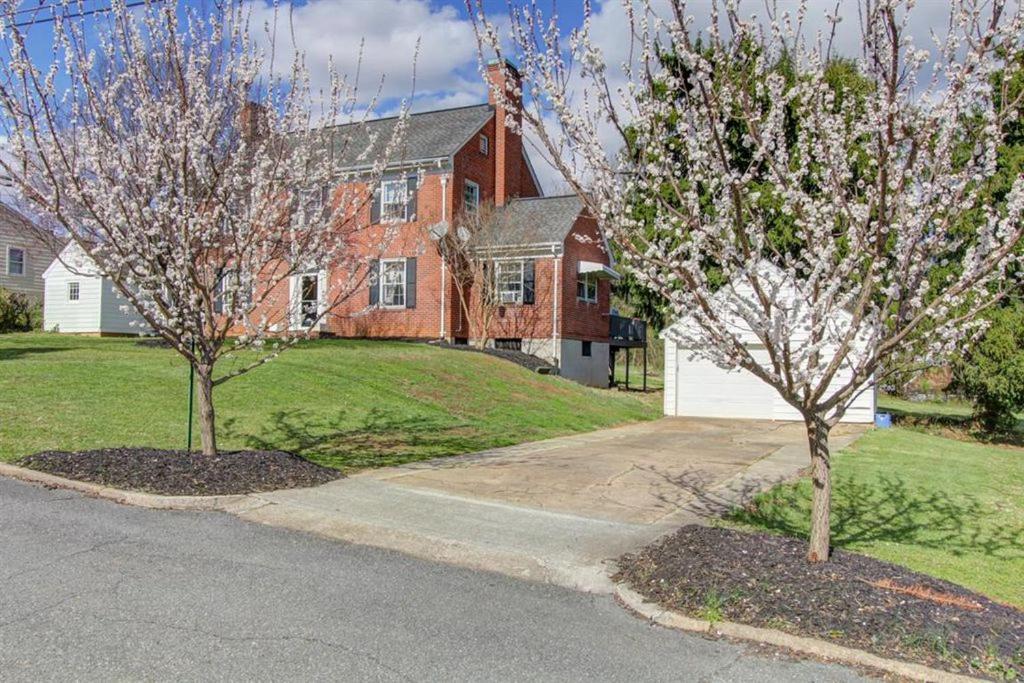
x=183 y=473
x=764 y=580
x=531 y=363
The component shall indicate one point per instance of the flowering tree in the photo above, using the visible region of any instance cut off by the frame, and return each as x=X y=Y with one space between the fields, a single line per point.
x=719 y=146
x=202 y=184
x=470 y=254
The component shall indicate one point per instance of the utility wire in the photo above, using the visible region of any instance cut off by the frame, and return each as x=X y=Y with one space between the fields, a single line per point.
x=83 y=13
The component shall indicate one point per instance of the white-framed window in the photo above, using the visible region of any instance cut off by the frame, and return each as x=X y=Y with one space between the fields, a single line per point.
x=394 y=199
x=74 y=291
x=586 y=288
x=15 y=261
x=471 y=196
x=508 y=281
x=485 y=145
x=309 y=204
x=392 y=283
x=309 y=298
x=222 y=300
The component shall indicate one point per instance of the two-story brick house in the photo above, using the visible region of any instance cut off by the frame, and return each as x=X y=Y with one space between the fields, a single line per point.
x=555 y=266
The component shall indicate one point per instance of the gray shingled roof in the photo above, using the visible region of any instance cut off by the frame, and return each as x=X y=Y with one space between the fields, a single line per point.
x=536 y=220
x=429 y=135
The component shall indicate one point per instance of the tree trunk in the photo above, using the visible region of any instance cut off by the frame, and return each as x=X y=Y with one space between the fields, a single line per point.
x=821 y=478
x=204 y=387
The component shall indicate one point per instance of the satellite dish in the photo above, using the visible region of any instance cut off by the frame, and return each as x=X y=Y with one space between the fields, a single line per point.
x=463 y=234
x=438 y=230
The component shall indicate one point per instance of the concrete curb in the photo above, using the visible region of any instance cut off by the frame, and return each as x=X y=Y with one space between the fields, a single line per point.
x=226 y=503
x=811 y=646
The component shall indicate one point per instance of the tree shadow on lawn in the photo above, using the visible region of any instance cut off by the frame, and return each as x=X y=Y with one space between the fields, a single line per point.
x=887 y=510
x=18 y=352
x=380 y=439
x=882 y=510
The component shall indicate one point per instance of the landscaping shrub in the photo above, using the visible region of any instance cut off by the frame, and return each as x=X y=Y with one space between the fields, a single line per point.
x=18 y=313
x=991 y=371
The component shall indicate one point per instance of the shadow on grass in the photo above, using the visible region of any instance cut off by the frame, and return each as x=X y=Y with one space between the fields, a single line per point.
x=16 y=353
x=886 y=510
x=380 y=439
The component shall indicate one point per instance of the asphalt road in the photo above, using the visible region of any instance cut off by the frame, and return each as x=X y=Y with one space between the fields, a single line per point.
x=90 y=590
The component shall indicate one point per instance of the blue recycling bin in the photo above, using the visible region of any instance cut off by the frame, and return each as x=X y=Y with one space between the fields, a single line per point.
x=883 y=420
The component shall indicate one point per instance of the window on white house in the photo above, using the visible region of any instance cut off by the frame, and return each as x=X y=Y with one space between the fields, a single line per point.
x=309 y=298
x=394 y=198
x=485 y=145
x=471 y=196
x=73 y=291
x=508 y=281
x=392 y=283
x=586 y=288
x=15 y=261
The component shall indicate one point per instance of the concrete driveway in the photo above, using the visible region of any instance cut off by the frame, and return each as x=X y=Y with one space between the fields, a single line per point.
x=554 y=510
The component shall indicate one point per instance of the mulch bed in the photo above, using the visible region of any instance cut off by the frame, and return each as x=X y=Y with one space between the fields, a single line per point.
x=853 y=600
x=183 y=473
x=531 y=363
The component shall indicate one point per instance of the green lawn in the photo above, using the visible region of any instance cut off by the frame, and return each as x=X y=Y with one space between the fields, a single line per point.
x=346 y=404
x=951 y=509
x=925 y=409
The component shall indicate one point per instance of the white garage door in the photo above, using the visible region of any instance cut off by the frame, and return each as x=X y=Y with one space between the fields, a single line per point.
x=702 y=389
x=705 y=390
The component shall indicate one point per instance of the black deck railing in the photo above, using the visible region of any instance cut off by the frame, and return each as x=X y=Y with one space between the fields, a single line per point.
x=627 y=331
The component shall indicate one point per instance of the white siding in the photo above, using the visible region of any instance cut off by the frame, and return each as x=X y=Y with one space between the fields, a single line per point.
x=98 y=308
x=63 y=315
x=113 y=318
x=15 y=232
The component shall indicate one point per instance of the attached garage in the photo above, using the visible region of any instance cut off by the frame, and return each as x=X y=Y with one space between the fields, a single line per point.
x=696 y=387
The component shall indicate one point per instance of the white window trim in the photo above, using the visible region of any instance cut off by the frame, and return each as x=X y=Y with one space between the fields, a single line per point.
x=485 y=145
x=476 y=188
x=24 y=261
x=380 y=283
x=586 y=278
x=404 y=183
x=78 y=291
x=522 y=281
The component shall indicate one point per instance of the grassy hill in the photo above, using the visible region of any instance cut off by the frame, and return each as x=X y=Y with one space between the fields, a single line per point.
x=345 y=404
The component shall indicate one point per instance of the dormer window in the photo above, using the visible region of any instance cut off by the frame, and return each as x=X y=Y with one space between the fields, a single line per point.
x=485 y=145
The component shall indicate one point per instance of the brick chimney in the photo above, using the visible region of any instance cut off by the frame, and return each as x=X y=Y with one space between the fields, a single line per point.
x=252 y=121
x=508 y=144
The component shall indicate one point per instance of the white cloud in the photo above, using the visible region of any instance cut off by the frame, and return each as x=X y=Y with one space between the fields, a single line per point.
x=445 y=69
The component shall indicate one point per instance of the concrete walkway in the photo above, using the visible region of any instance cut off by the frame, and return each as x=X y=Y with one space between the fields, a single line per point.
x=554 y=511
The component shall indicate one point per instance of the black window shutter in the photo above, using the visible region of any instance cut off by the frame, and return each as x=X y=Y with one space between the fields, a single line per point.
x=410 y=283
x=374 y=282
x=411 y=184
x=375 y=206
x=529 y=281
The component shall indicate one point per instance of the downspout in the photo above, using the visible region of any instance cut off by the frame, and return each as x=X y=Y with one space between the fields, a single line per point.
x=444 y=263
x=555 y=351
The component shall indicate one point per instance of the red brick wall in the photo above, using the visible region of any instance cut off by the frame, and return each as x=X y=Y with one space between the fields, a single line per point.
x=580 y=319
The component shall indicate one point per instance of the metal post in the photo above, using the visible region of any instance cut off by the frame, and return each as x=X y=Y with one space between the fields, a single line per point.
x=627 y=368
x=645 y=367
x=191 y=392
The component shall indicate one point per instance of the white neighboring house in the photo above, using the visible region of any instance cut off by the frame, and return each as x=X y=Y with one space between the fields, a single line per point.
x=79 y=300
x=696 y=387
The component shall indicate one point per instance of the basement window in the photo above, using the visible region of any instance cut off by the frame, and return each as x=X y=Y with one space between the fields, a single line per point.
x=586 y=350
x=508 y=344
